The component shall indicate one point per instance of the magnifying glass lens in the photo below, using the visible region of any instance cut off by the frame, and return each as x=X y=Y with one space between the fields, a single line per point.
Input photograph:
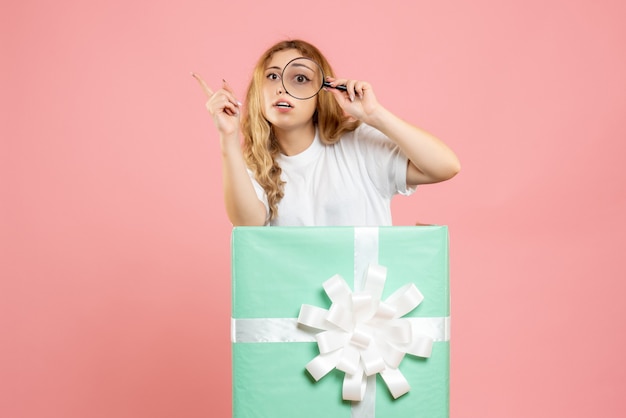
x=302 y=78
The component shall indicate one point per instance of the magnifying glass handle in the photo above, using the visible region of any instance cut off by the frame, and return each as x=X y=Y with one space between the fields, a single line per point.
x=342 y=88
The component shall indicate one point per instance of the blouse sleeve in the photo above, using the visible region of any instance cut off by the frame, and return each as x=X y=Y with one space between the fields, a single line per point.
x=385 y=163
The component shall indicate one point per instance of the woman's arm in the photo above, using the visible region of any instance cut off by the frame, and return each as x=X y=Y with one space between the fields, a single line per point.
x=431 y=160
x=242 y=204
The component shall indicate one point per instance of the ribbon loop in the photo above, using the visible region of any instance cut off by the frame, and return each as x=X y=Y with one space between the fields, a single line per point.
x=375 y=280
x=405 y=299
x=321 y=365
x=330 y=340
x=421 y=346
x=337 y=289
x=349 y=361
x=396 y=382
x=354 y=386
x=342 y=316
x=313 y=317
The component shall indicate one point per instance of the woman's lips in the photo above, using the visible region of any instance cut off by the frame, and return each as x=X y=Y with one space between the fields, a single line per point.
x=283 y=106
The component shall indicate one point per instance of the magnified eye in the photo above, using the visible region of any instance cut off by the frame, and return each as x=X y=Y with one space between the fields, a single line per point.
x=301 y=79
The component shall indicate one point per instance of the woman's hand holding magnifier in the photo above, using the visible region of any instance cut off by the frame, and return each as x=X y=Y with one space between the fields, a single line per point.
x=358 y=99
x=223 y=106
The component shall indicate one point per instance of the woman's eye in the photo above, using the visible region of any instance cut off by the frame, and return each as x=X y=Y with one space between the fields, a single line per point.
x=272 y=76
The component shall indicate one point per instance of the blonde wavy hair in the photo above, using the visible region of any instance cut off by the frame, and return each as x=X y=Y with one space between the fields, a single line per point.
x=260 y=147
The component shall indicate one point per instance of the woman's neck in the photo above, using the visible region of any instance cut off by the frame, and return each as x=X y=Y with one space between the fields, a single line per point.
x=294 y=141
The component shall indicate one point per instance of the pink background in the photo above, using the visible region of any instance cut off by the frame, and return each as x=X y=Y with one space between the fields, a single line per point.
x=115 y=297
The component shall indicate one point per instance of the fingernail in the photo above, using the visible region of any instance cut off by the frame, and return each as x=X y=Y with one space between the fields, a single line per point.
x=239 y=103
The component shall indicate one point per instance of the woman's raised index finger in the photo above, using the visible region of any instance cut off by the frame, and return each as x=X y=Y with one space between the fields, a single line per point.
x=206 y=88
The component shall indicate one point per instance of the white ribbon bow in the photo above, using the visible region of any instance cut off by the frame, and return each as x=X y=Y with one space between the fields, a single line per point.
x=363 y=335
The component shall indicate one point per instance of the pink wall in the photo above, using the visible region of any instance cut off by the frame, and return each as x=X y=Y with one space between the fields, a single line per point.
x=114 y=295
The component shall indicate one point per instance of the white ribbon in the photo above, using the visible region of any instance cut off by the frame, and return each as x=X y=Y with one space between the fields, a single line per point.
x=362 y=335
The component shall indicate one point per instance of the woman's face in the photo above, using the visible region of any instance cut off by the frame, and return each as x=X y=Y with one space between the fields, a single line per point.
x=279 y=108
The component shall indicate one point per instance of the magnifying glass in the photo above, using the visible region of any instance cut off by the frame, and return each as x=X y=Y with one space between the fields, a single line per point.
x=303 y=78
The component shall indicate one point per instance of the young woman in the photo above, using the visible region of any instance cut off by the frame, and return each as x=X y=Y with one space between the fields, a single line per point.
x=336 y=158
